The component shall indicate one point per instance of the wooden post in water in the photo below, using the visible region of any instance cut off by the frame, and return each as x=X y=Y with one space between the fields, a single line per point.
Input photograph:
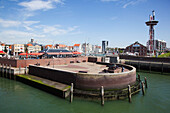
x=10 y=71
x=146 y=85
x=162 y=67
x=139 y=77
x=71 y=93
x=102 y=96
x=2 y=70
x=129 y=94
x=143 y=90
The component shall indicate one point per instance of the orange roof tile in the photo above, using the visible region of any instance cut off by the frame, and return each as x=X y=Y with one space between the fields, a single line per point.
x=62 y=45
x=49 y=46
x=2 y=44
x=29 y=45
x=77 y=45
x=10 y=47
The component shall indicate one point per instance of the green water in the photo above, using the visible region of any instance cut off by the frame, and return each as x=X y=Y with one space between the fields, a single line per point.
x=16 y=97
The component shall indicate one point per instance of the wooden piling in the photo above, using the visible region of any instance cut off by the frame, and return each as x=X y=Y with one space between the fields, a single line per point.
x=129 y=94
x=143 y=90
x=146 y=85
x=139 y=77
x=162 y=67
x=102 y=96
x=71 y=93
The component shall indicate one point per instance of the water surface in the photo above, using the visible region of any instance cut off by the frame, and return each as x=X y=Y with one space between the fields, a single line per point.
x=16 y=97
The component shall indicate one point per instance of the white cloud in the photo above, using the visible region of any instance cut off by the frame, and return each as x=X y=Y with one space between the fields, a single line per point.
x=12 y=23
x=125 y=3
x=56 y=30
x=34 y=5
x=9 y=23
x=14 y=36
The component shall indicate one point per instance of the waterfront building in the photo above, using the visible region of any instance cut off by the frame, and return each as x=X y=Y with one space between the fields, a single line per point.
x=33 y=49
x=77 y=47
x=159 y=45
x=17 y=48
x=137 y=49
x=104 y=46
x=61 y=46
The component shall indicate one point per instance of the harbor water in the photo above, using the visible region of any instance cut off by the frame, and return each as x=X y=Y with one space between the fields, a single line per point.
x=16 y=97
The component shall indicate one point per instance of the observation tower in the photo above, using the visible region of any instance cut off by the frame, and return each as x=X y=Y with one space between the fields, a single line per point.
x=151 y=23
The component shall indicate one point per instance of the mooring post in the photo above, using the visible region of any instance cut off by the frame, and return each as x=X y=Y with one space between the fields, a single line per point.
x=129 y=94
x=3 y=70
x=6 y=71
x=0 y=69
x=150 y=67
x=71 y=93
x=143 y=90
x=102 y=96
x=146 y=85
x=162 y=67
x=10 y=71
x=139 y=77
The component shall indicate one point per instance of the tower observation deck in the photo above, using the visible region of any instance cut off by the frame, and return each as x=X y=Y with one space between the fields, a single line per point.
x=151 y=23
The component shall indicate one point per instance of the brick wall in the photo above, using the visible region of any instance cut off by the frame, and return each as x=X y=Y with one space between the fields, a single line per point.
x=43 y=62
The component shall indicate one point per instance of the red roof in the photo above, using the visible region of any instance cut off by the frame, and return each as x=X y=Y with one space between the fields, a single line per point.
x=77 y=45
x=22 y=54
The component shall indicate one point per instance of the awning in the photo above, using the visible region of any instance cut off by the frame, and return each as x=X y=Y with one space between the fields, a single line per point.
x=36 y=54
x=76 y=52
x=22 y=54
x=2 y=52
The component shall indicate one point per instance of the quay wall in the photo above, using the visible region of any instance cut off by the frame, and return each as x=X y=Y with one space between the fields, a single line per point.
x=56 y=61
x=87 y=81
x=150 y=66
x=150 y=59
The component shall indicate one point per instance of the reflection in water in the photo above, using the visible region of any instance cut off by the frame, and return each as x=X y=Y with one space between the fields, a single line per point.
x=18 y=98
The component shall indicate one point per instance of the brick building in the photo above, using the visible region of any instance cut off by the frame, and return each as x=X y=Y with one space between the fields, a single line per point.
x=137 y=49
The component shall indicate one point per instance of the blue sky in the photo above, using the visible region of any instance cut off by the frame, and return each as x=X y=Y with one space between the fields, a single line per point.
x=121 y=22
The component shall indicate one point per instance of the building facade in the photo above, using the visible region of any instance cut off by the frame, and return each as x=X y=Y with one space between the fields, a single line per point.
x=137 y=49
x=159 y=45
x=17 y=48
x=104 y=46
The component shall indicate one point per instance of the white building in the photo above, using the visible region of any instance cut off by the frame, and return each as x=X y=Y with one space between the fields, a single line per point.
x=77 y=47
